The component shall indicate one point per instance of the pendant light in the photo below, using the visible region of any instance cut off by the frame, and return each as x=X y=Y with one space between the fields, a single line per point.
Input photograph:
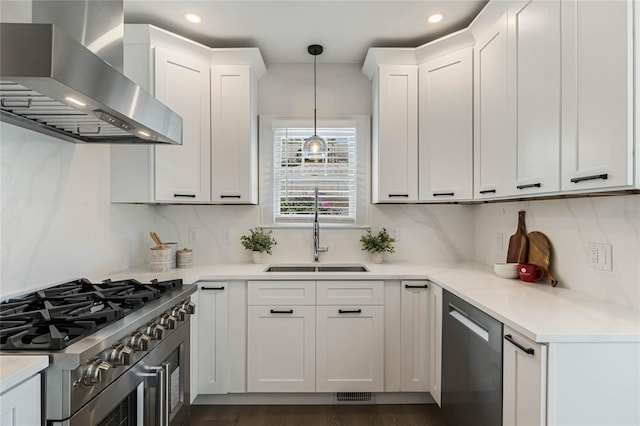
x=314 y=148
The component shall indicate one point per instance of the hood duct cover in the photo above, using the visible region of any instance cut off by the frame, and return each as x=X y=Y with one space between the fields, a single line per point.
x=52 y=84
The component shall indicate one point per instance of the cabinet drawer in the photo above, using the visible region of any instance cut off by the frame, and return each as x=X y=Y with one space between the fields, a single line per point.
x=282 y=293
x=350 y=292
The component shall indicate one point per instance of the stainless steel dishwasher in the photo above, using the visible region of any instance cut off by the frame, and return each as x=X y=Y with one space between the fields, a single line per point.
x=471 y=365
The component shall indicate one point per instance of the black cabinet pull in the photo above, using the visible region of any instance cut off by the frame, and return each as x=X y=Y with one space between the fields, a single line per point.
x=531 y=185
x=347 y=311
x=231 y=196
x=399 y=195
x=603 y=176
x=185 y=195
x=488 y=191
x=212 y=288
x=443 y=194
x=415 y=286
x=509 y=338
x=273 y=311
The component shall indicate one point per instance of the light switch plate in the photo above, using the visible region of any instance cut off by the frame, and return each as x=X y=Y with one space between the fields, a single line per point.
x=600 y=256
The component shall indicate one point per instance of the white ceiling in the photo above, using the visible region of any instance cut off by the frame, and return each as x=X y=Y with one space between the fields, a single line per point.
x=283 y=29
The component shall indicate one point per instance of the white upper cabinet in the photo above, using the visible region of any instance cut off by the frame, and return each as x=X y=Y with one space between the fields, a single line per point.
x=395 y=134
x=234 y=139
x=182 y=173
x=597 y=94
x=446 y=127
x=534 y=95
x=494 y=153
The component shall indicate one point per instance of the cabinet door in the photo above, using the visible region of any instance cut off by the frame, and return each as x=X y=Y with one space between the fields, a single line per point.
x=21 y=404
x=281 y=349
x=435 y=341
x=524 y=381
x=534 y=95
x=397 y=131
x=213 y=342
x=446 y=128
x=494 y=155
x=233 y=136
x=414 y=337
x=349 y=352
x=597 y=94
x=182 y=173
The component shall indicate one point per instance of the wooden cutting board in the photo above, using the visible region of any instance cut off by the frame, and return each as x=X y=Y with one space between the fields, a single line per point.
x=518 y=243
x=540 y=254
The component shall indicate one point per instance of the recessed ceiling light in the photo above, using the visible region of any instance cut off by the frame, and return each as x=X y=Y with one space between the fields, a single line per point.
x=435 y=18
x=193 y=17
x=75 y=101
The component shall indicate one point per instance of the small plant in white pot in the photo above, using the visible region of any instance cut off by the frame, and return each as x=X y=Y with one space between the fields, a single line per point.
x=258 y=241
x=377 y=244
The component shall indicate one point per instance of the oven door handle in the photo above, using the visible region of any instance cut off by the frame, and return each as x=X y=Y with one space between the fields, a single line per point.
x=162 y=394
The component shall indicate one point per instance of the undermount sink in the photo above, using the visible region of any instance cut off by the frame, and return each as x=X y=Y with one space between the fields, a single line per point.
x=317 y=268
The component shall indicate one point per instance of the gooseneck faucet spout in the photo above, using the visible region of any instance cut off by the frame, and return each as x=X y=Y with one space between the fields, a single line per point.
x=316 y=232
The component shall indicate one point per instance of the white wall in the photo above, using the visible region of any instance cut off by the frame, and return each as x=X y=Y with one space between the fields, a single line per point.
x=570 y=225
x=57 y=221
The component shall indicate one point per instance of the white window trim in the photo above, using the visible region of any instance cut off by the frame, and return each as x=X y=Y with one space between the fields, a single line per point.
x=362 y=123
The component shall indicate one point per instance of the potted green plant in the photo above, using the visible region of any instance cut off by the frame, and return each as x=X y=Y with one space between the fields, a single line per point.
x=258 y=241
x=377 y=244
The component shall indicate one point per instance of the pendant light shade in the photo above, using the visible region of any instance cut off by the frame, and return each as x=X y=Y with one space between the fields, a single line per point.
x=314 y=148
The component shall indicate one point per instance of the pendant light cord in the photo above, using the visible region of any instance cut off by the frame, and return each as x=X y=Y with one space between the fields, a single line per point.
x=315 y=94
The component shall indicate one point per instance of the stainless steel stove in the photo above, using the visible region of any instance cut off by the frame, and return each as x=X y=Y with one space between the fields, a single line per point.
x=118 y=350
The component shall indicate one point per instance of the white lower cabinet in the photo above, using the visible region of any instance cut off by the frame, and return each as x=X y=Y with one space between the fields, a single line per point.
x=20 y=405
x=213 y=341
x=414 y=337
x=524 y=377
x=350 y=349
x=435 y=341
x=281 y=349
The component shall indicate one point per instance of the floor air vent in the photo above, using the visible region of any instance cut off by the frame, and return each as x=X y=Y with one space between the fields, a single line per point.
x=354 y=397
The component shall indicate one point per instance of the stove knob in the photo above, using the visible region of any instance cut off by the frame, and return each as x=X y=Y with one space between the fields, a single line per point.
x=155 y=331
x=190 y=307
x=179 y=313
x=168 y=321
x=139 y=341
x=93 y=374
x=120 y=355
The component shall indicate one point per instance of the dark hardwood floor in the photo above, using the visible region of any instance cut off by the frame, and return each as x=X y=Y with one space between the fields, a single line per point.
x=316 y=415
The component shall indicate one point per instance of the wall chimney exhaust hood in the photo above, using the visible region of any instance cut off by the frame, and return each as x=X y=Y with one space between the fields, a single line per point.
x=52 y=84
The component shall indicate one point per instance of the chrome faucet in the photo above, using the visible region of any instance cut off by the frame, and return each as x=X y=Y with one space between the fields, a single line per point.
x=316 y=232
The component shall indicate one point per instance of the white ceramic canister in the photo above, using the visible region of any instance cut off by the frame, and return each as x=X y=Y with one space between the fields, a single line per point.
x=185 y=258
x=160 y=258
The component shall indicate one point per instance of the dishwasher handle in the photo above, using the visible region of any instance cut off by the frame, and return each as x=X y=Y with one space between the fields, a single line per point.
x=469 y=322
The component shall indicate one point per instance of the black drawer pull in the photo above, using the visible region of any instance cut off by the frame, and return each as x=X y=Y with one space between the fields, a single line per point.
x=399 y=195
x=604 y=176
x=347 y=311
x=443 y=194
x=509 y=338
x=231 y=196
x=415 y=286
x=273 y=311
x=531 y=185
x=185 y=195
x=212 y=288
x=488 y=191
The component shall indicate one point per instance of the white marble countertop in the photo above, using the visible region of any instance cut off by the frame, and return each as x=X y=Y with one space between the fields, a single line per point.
x=538 y=311
x=15 y=369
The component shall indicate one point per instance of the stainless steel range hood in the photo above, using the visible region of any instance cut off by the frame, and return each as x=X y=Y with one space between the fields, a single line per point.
x=52 y=84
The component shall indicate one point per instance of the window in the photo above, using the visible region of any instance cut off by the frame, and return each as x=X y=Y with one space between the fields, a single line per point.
x=296 y=177
x=289 y=180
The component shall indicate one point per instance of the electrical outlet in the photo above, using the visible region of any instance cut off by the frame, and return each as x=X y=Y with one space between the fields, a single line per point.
x=194 y=235
x=148 y=239
x=394 y=233
x=600 y=256
x=226 y=236
x=498 y=241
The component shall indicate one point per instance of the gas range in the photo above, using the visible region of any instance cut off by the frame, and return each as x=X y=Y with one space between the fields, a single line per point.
x=102 y=336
